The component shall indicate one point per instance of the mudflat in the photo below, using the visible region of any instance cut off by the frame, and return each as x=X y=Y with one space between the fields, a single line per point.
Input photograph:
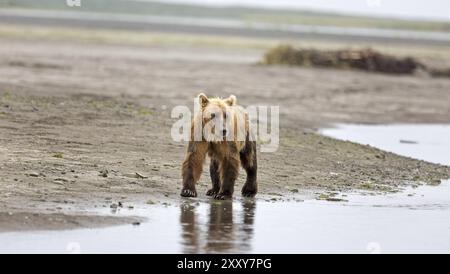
x=85 y=126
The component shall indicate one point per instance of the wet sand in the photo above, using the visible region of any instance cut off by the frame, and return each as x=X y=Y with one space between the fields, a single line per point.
x=78 y=120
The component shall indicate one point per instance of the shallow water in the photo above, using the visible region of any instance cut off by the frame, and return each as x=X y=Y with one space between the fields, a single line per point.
x=365 y=224
x=425 y=142
x=230 y=24
x=415 y=220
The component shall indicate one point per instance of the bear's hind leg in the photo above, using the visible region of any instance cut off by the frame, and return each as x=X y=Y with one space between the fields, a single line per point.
x=249 y=163
x=215 y=178
x=229 y=170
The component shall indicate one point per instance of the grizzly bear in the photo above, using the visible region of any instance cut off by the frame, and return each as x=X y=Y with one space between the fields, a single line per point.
x=221 y=130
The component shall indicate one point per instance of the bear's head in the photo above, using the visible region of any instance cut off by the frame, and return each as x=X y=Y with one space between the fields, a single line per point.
x=218 y=117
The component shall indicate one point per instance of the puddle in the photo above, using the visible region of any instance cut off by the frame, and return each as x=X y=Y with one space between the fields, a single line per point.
x=415 y=220
x=425 y=142
x=365 y=224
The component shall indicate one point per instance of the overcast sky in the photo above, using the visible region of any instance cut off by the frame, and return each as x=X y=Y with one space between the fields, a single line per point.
x=425 y=9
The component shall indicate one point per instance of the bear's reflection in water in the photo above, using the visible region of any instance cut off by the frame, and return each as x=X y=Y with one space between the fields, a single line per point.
x=224 y=230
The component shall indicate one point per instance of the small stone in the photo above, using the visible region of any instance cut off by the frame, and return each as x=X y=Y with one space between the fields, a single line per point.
x=140 y=176
x=103 y=173
x=33 y=174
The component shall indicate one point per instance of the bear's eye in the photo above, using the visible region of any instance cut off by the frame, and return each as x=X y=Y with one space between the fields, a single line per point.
x=213 y=115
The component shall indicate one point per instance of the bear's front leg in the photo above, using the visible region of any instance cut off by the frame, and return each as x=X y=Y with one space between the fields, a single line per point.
x=192 y=167
x=229 y=170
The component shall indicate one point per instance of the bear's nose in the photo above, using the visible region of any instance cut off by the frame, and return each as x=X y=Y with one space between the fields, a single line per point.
x=224 y=132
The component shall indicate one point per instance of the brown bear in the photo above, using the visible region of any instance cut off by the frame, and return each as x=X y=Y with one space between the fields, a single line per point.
x=221 y=130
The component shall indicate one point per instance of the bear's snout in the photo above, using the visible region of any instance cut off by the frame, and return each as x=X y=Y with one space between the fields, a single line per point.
x=224 y=133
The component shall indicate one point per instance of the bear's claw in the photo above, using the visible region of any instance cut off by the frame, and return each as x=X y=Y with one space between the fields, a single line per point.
x=211 y=192
x=221 y=196
x=188 y=193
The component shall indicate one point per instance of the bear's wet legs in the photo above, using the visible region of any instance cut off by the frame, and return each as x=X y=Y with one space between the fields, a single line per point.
x=229 y=170
x=249 y=163
x=215 y=178
x=192 y=167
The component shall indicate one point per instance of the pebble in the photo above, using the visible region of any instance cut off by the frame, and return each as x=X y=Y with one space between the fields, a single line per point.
x=33 y=174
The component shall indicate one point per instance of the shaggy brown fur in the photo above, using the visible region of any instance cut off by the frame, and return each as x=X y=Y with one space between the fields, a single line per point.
x=227 y=154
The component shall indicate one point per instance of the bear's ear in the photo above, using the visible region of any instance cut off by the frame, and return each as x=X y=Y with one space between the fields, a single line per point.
x=231 y=101
x=203 y=100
